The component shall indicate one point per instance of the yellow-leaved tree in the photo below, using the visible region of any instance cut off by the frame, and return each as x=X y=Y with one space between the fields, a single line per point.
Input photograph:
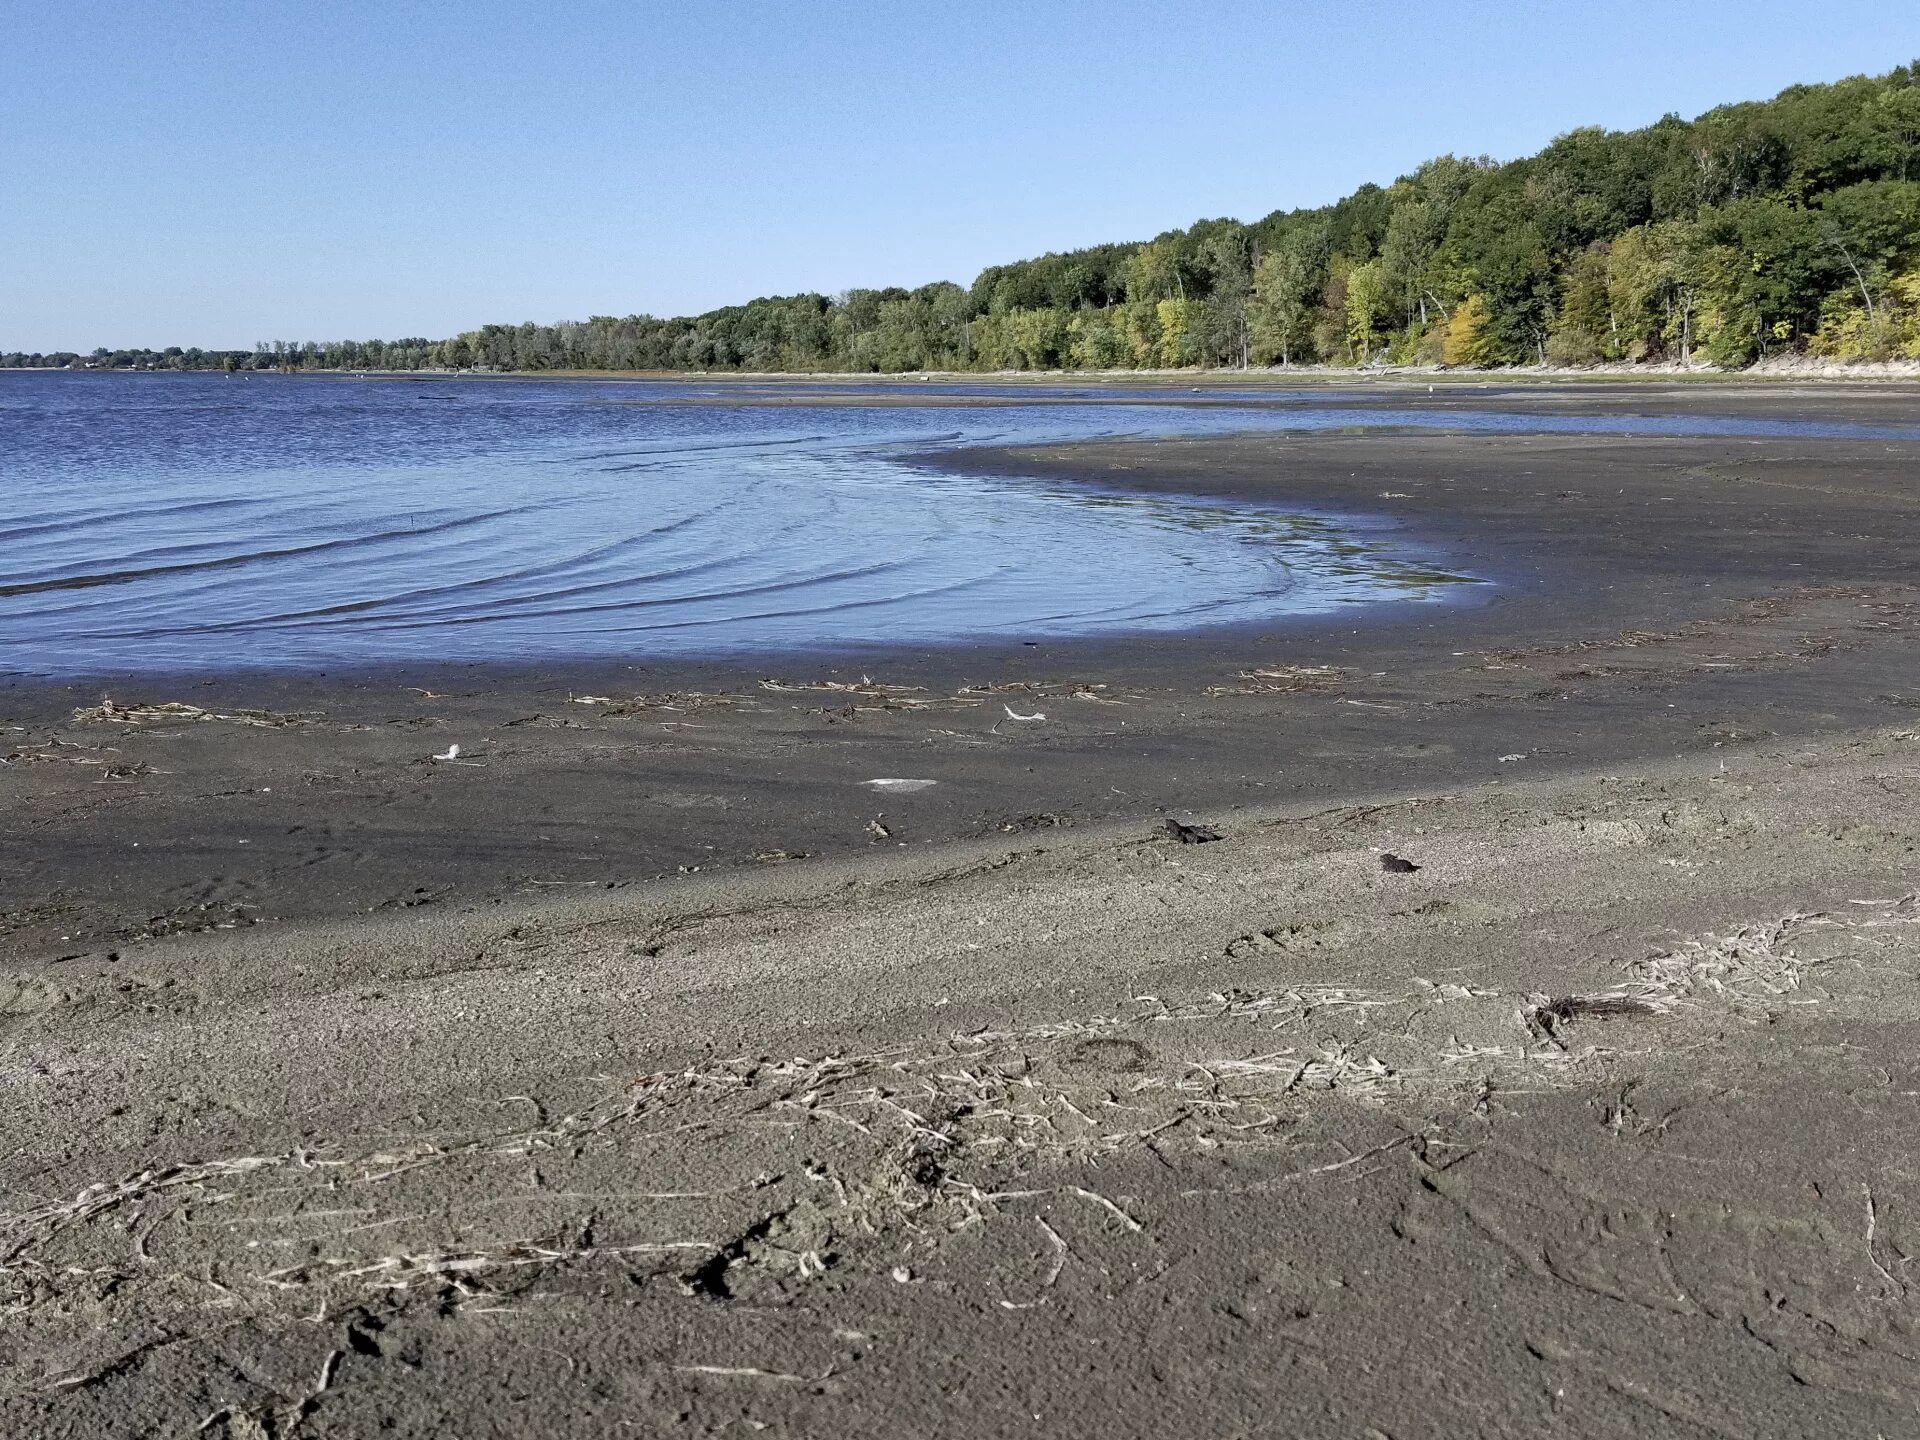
x=1366 y=302
x=1468 y=343
x=1848 y=331
x=1178 y=332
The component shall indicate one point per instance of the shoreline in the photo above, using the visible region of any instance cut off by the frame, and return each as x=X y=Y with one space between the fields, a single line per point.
x=713 y=769
x=1798 y=369
x=649 y=1037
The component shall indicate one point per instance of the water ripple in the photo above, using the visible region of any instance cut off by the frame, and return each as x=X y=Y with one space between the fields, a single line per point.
x=201 y=522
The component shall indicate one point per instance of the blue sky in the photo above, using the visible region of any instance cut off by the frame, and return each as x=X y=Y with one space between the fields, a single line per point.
x=218 y=172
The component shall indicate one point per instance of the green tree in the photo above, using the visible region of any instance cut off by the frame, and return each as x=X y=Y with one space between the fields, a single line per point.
x=1764 y=266
x=1414 y=233
x=1286 y=284
x=1155 y=273
x=1226 y=260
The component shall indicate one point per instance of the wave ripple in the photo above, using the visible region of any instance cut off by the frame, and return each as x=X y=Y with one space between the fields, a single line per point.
x=268 y=521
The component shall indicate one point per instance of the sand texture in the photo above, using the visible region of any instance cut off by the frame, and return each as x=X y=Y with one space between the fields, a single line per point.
x=1534 y=1051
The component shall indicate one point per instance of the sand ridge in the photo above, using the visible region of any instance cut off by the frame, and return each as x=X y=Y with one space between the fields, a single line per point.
x=1045 y=1080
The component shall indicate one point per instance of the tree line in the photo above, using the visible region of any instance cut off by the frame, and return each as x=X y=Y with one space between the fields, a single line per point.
x=1786 y=225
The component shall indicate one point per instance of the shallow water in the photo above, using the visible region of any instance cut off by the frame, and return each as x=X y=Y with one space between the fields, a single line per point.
x=207 y=522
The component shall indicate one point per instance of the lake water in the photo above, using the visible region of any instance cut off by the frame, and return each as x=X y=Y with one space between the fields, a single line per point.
x=203 y=522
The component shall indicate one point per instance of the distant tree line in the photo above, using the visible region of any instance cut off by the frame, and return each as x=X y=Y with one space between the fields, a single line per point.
x=1788 y=225
x=415 y=354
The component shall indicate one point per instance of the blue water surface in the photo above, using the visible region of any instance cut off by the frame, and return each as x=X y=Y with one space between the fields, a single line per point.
x=208 y=522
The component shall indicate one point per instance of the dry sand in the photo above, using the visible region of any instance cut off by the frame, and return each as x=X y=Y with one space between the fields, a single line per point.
x=651 y=1074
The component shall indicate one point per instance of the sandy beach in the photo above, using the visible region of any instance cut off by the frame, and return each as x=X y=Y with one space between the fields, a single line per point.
x=1513 y=1034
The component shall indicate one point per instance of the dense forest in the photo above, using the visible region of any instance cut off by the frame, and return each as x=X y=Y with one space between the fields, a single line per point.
x=1788 y=225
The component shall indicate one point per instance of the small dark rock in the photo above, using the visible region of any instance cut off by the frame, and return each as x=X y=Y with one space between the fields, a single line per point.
x=1190 y=834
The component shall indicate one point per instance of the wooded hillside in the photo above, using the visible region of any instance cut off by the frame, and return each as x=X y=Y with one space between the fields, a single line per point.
x=1791 y=224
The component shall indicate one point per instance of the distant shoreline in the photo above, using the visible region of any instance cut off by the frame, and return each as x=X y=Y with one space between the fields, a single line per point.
x=1795 y=371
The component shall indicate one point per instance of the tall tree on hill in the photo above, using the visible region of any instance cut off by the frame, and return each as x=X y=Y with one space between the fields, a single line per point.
x=1286 y=286
x=1226 y=261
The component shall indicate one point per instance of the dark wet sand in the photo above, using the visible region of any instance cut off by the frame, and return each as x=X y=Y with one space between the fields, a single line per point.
x=651 y=1071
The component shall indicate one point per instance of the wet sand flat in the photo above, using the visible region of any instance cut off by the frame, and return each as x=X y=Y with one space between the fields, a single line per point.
x=642 y=1066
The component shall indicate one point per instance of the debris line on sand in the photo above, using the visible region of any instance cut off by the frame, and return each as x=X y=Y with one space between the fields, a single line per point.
x=111 y=712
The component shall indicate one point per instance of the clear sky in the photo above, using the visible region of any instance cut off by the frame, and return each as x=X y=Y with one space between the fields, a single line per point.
x=218 y=172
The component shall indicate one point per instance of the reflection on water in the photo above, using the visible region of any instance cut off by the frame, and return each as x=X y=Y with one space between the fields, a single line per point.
x=204 y=522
